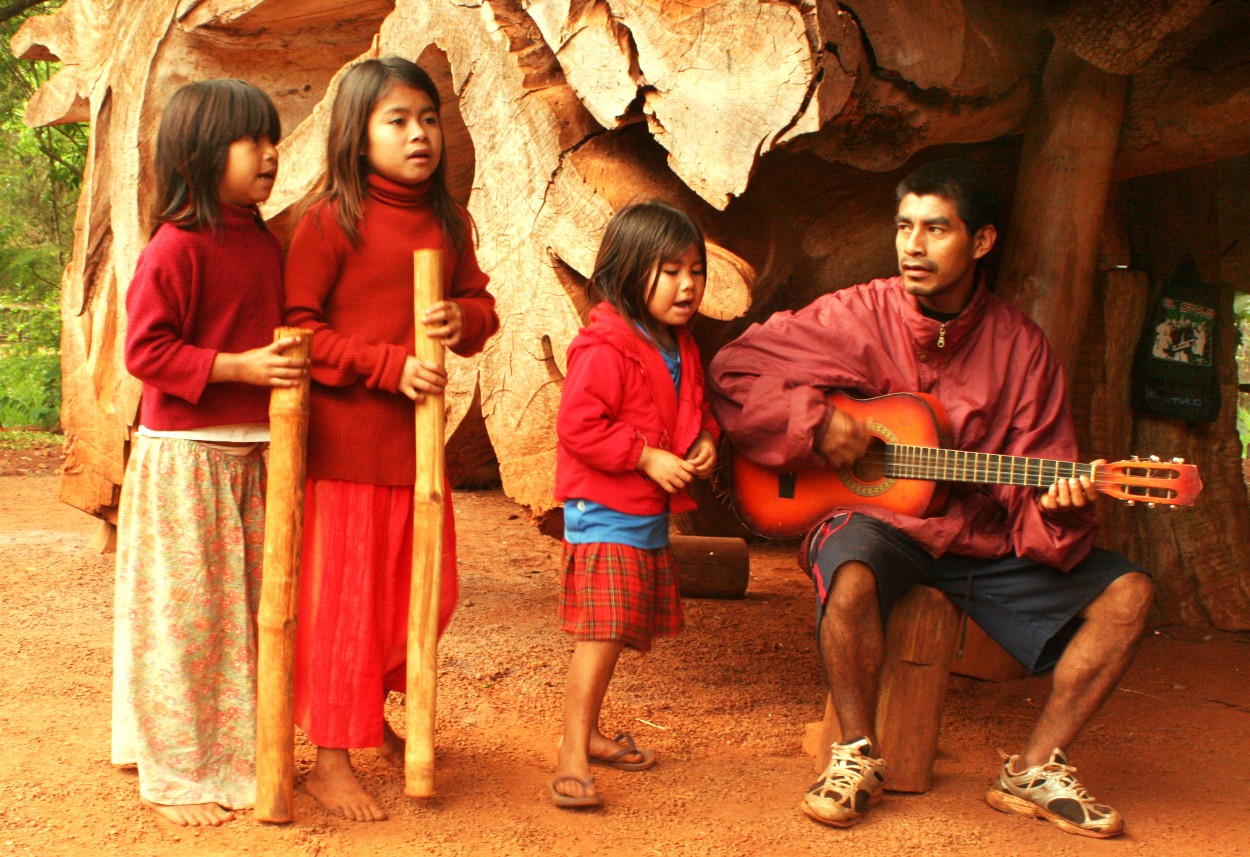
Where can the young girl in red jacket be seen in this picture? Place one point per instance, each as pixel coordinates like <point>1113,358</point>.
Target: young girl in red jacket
<point>203,304</point>
<point>633,432</point>
<point>350,280</point>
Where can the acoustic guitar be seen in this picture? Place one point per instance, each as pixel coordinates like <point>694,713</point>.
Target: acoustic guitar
<point>908,468</point>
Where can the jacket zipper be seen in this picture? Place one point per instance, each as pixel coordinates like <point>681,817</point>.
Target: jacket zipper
<point>941,343</point>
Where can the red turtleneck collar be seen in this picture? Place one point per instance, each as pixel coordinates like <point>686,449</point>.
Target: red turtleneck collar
<point>397,193</point>
<point>239,215</point>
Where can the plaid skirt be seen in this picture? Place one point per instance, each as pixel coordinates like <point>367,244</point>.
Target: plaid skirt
<point>615,592</point>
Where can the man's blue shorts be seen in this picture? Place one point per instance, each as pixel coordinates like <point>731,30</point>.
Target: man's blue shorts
<point>1031,609</point>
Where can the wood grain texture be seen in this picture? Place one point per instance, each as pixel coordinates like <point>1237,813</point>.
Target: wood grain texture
<point>279,591</point>
<point>781,128</point>
<point>428,503</point>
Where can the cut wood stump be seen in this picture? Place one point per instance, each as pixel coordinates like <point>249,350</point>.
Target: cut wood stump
<point>711,567</point>
<point>920,641</point>
<point>979,656</point>
<point>923,647</point>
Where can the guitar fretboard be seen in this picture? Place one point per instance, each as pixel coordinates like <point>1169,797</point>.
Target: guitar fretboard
<point>953,465</point>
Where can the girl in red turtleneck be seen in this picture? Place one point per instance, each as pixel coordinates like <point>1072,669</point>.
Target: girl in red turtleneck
<point>349,279</point>
<point>201,309</point>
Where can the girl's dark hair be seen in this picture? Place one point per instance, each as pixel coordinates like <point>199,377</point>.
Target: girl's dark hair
<point>638,239</point>
<point>361,88</point>
<point>198,125</point>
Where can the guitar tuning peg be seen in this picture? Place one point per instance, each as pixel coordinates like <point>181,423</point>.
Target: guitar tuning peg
<point>1154,458</point>
<point>1130,502</point>
<point>1134,458</point>
<point>1178,461</point>
<point>1151,505</point>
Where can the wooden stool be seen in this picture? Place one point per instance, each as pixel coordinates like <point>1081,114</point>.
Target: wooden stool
<point>920,641</point>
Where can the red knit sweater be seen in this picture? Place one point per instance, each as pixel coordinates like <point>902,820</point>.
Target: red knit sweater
<point>196,293</point>
<point>358,303</point>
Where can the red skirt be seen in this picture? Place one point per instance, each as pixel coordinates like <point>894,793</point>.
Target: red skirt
<point>351,639</point>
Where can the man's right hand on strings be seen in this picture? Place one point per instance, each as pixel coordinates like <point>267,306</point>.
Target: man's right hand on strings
<point>844,441</point>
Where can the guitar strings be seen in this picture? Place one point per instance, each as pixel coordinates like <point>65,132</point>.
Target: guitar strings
<point>947,465</point>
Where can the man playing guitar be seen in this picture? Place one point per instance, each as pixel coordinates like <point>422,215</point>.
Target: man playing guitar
<point>1019,560</point>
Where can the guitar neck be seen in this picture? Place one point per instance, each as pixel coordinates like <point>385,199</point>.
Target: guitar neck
<point>953,465</point>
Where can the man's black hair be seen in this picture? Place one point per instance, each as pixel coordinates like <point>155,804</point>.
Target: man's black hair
<point>963,183</point>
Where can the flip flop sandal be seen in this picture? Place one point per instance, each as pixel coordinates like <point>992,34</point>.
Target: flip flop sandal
<point>617,759</point>
<point>564,801</point>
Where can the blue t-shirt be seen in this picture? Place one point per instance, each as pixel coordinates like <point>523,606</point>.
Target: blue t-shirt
<point>586,521</point>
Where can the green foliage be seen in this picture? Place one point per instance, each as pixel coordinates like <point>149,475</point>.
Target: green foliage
<point>30,440</point>
<point>1243,427</point>
<point>40,175</point>
<point>30,388</point>
<point>1241,307</point>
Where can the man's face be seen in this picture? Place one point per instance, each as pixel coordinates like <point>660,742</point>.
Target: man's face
<point>936,255</point>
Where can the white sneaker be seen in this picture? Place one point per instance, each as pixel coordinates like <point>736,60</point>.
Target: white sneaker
<point>850,784</point>
<point>1052,793</point>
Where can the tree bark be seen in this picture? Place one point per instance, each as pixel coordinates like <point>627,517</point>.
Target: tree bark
<point>1051,245</point>
<point>781,128</point>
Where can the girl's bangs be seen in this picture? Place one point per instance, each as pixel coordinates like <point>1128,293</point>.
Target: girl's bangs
<point>677,240</point>
<point>249,113</point>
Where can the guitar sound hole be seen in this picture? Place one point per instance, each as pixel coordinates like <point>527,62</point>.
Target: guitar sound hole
<point>871,468</point>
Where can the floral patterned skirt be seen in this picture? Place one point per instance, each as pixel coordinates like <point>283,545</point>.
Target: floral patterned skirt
<point>190,543</point>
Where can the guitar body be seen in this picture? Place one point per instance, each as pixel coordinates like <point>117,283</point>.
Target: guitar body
<point>781,503</point>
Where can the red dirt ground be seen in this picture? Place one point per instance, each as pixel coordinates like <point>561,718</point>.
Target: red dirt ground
<point>724,706</point>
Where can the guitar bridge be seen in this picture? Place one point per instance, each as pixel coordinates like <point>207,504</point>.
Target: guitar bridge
<point>786,484</point>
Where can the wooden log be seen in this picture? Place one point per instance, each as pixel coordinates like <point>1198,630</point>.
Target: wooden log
<point>427,544</point>
<point>279,591</point>
<point>978,655</point>
<point>920,640</point>
<point>976,52</point>
<point>1120,36</point>
<point>923,631</point>
<point>1181,103</point>
<point>1061,194</point>
<point>695,99</point>
<point>711,567</point>
<point>1199,579</point>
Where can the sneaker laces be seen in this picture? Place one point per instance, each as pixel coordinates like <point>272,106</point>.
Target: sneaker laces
<point>1065,776</point>
<point>847,769</point>
<point>1061,779</point>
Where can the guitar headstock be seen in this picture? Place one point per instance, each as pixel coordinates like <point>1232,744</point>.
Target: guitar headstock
<point>1153,482</point>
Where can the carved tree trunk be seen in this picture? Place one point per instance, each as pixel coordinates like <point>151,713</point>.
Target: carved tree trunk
<point>1049,257</point>
<point>781,127</point>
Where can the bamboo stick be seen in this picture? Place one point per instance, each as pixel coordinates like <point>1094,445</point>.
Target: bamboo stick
<point>279,591</point>
<point>427,544</point>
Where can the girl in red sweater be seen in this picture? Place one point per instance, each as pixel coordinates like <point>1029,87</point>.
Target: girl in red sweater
<point>203,304</point>
<point>633,432</point>
<point>349,279</point>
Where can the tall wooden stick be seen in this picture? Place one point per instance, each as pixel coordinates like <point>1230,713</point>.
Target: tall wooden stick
<point>427,544</point>
<point>279,591</point>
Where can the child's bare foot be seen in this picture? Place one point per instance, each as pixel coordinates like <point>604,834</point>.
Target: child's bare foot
<point>570,792</point>
<point>620,753</point>
<point>573,785</point>
<point>392,748</point>
<point>191,814</point>
<point>333,783</point>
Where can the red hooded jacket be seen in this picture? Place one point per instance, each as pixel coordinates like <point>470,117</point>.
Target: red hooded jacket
<point>617,396</point>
